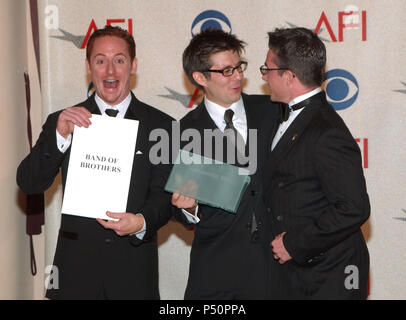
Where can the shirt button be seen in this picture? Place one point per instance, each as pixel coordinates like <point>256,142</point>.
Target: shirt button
<point>280,184</point>
<point>279,218</point>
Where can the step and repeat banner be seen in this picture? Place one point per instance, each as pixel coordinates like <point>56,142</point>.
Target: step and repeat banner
<point>365,83</point>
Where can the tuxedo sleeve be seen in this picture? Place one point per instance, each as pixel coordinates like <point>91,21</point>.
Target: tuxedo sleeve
<point>184,218</point>
<point>37,171</point>
<point>157,208</point>
<point>337,162</point>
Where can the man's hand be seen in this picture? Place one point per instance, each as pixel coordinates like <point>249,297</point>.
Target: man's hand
<point>183,202</point>
<point>278,248</point>
<point>70,117</point>
<point>127,223</point>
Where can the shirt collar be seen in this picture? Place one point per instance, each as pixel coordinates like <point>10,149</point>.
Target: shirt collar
<point>304,96</point>
<point>217,112</point>
<point>121,107</point>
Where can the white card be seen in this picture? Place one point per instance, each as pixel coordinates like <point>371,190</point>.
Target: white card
<point>100,167</point>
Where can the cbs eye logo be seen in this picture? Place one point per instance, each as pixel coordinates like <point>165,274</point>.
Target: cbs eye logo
<point>210,19</point>
<point>342,88</point>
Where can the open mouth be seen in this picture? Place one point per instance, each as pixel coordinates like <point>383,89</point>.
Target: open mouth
<point>110,84</point>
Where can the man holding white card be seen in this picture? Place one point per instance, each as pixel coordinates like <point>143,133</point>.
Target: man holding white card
<point>97,259</point>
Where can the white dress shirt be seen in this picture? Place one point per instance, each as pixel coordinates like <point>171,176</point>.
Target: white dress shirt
<point>216,112</point>
<point>292,115</point>
<point>121,107</point>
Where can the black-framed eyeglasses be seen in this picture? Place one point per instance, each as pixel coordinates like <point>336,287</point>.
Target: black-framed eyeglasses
<point>229,71</point>
<point>264,69</point>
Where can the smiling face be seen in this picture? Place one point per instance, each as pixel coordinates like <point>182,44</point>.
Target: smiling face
<point>218,88</point>
<point>110,68</point>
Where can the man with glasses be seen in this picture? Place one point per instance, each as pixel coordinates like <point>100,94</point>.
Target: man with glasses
<point>313,180</point>
<point>229,253</point>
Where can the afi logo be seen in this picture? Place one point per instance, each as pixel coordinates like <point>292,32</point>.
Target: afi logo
<point>363,144</point>
<point>109,22</point>
<point>81,41</point>
<point>401,90</point>
<point>351,18</point>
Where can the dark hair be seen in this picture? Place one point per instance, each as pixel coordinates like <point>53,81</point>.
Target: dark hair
<point>112,32</point>
<point>196,56</point>
<point>301,51</point>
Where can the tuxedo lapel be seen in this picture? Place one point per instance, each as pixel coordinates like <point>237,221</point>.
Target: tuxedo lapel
<point>202,118</point>
<point>135,110</point>
<point>91,105</point>
<point>296,129</point>
<point>253,120</point>
<point>273,134</point>
<point>202,121</point>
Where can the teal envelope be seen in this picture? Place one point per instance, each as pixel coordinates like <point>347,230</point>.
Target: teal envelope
<point>209,181</point>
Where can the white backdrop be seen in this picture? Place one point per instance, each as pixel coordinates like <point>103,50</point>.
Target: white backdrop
<point>366,83</point>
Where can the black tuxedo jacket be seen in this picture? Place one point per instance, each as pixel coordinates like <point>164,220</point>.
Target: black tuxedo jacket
<point>315,191</point>
<point>228,259</point>
<point>93,262</point>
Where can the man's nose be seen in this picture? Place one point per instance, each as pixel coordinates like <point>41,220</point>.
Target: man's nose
<point>110,67</point>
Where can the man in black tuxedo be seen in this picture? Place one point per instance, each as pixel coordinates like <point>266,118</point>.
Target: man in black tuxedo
<point>105,259</point>
<point>313,181</point>
<point>229,253</point>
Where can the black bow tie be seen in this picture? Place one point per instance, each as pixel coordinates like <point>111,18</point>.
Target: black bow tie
<point>111,112</point>
<point>285,110</point>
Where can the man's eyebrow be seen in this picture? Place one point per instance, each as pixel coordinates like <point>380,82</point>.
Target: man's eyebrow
<point>103,55</point>
<point>231,66</point>
<point>120,54</point>
<point>99,54</point>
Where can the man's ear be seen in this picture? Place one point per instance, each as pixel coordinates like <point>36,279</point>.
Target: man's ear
<point>134,65</point>
<point>290,75</point>
<point>88,66</point>
<point>199,78</point>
